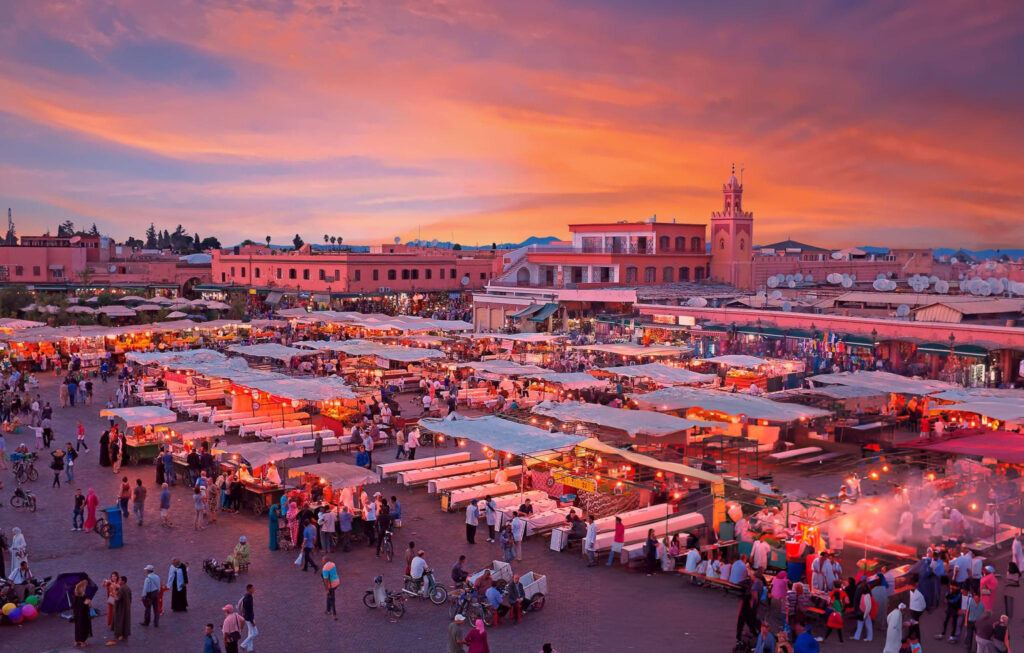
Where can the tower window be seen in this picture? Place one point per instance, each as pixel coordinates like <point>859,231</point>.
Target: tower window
<point>721,243</point>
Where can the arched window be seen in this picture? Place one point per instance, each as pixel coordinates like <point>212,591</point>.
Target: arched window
<point>695,244</point>
<point>680,243</point>
<point>721,243</point>
<point>631,274</point>
<point>684,274</point>
<point>392,275</point>
<point>663,242</point>
<point>650,274</point>
<point>698,274</point>
<point>405,274</point>
<point>667,275</point>
<point>523,276</point>
<point>292,274</point>
<point>741,244</point>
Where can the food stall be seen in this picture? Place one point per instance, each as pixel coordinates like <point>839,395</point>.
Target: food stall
<point>143,442</point>
<point>656,375</point>
<point>329,479</point>
<point>261,481</point>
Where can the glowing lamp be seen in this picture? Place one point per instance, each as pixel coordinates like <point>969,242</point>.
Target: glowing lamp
<point>874,476</point>
<point>885,468</point>
<point>974,506</point>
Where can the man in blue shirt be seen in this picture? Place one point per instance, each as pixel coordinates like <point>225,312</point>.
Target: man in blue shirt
<point>804,642</point>
<point>362,458</point>
<point>308,537</point>
<point>345,527</point>
<point>493,595</point>
<point>151,596</point>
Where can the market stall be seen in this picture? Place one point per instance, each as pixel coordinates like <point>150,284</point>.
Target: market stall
<point>142,440</point>
<point>261,481</point>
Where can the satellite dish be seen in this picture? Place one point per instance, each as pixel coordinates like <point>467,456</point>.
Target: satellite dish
<point>902,310</point>
<point>808,277</point>
<point>792,283</point>
<point>787,307</point>
<point>995,285</point>
<point>465,280</point>
<point>697,302</point>
<point>776,294</point>
<point>112,269</point>
<point>847,282</point>
<point>941,287</point>
<point>760,293</point>
<point>837,255</point>
<point>953,260</point>
<point>881,275</point>
<point>798,277</point>
<point>933,279</point>
<point>853,276</point>
<point>433,243</point>
<point>881,285</point>
<point>397,240</point>
<point>789,277</point>
<point>772,282</point>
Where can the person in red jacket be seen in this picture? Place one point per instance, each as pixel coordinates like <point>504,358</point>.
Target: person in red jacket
<point>617,541</point>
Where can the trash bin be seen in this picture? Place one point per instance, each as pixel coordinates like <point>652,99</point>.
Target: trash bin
<point>113,516</point>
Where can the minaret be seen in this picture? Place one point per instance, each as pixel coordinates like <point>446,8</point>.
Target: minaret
<point>732,233</point>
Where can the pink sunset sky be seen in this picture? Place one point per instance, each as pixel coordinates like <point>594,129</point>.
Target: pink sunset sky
<point>857,123</point>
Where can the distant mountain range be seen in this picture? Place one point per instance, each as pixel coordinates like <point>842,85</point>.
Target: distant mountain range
<point>444,244</point>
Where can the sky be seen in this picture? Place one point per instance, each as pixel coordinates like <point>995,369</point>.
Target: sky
<point>855,123</point>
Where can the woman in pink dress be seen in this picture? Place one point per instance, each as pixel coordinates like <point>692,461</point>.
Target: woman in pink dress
<point>91,501</point>
<point>293,522</point>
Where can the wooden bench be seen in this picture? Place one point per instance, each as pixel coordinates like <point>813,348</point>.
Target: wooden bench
<point>704,581</point>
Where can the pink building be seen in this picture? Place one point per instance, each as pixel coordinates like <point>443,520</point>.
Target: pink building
<point>59,263</point>
<point>790,257</point>
<point>385,269</point>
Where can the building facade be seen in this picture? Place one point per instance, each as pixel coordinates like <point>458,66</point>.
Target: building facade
<point>732,238</point>
<point>384,270</point>
<point>68,263</point>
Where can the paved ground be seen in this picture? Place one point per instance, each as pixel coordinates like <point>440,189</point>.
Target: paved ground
<point>588,609</point>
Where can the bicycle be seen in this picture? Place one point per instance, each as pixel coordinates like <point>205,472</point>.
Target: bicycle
<point>23,499</point>
<point>25,471</point>
<point>386,545</point>
<point>103,528</point>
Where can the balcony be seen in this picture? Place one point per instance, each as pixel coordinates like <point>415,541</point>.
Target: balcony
<point>626,248</point>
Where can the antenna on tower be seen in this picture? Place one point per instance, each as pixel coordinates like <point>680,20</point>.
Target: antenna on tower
<point>741,174</point>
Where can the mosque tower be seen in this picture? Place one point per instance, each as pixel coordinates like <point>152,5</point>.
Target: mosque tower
<point>732,238</point>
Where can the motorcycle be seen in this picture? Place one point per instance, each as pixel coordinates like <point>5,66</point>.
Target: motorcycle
<point>377,596</point>
<point>23,499</point>
<point>436,592</point>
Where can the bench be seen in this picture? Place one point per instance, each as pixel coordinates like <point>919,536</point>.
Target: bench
<point>717,583</point>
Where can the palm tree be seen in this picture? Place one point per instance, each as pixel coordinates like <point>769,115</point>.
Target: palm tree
<point>268,241</point>
<point>333,240</point>
<point>339,241</point>
<point>325,239</point>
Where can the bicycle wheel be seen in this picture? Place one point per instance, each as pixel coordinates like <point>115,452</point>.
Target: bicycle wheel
<point>20,475</point>
<point>537,603</point>
<point>17,502</point>
<point>396,610</point>
<point>389,551</point>
<point>33,474</point>
<point>369,600</point>
<point>438,594</point>
<point>457,607</point>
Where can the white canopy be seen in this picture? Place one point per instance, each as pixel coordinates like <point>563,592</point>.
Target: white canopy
<point>884,381</point>
<point>338,475</point>
<point>141,415</point>
<point>661,373</point>
<point>633,422</point>
<point>501,367</point>
<point>259,454</point>
<point>594,444</point>
<point>188,430</point>
<point>14,323</point>
<point>1004,410</point>
<point>377,321</point>
<point>737,360</point>
<point>270,350</point>
<point>569,380</point>
<point>517,337</point>
<point>500,434</point>
<point>683,398</point>
<point>360,348</point>
<point>633,349</point>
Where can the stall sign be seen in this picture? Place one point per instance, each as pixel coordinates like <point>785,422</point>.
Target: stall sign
<point>568,480</point>
<point>719,509</point>
<point>200,382</point>
<point>177,377</point>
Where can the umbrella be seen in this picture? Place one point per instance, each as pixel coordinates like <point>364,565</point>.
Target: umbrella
<point>58,595</point>
<point>81,309</point>
<point>92,300</point>
<point>132,298</point>
<point>175,315</point>
<point>148,307</point>
<point>218,306</point>
<point>160,300</point>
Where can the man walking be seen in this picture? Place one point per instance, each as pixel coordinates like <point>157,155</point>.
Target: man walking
<point>165,506</point>
<point>78,512</point>
<point>590,542</point>
<point>318,446</point>
<point>308,539</point>
<point>412,443</point>
<point>151,596</point>
<point>331,582</point>
<point>123,496</point>
<point>138,499</point>
<point>249,614</point>
<point>328,523</point>
<point>368,445</point>
<point>81,437</point>
<point>518,532</point>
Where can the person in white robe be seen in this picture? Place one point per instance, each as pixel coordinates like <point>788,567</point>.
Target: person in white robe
<point>894,630</point>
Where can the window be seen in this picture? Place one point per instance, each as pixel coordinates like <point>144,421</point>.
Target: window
<point>376,275</point>
<point>650,274</point>
<point>453,273</point>
<point>663,243</point>
<point>337,274</point>
<point>666,275</point>
<point>232,270</point>
<point>278,273</point>
<point>741,244</point>
<point>415,274</point>
<point>695,244</point>
<point>442,273</point>
<point>631,274</point>
<point>35,270</point>
<point>392,275</point>
<point>428,273</point>
<point>405,274</point>
<point>322,274</point>
<point>223,275</point>
<point>243,272</point>
<point>684,274</point>
<point>293,273</point>
<point>680,243</point>
<point>305,274</point>
<point>483,275</point>
<point>698,274</point>
<point>356,276</point>
<point>721,243</point>
<point>256,273</point>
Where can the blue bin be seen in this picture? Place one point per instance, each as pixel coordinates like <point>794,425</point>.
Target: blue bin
<point>795,571</point>
<point>113,516</point>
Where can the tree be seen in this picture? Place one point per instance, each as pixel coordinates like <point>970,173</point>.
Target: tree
<point>457,246</point>
<point>494,246</point>
<point>298,242</point>
<point>151,237</point>
<point>268,241</point>
<point>133,242</point>
<point>86,276</point>
<point>339,241</point>
<point>13,299</point>
<point>326,239</point>
<point>210,242</point>
<point>195,241</point>
<point>66,229</point>
<point>94,231</point>
<point>165,240</point>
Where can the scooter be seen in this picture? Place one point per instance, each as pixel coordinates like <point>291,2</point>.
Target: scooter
<point>377,596</point>
<point>436,592</point>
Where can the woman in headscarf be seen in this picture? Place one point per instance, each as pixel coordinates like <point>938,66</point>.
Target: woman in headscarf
<point>81,614</point>
<point>293,522</point>
<point>91,502</point>
<point>19,549</point>
<point>105,449</point>
<point>274,519</point>
<point>476,639</point>
<point>177,580</point>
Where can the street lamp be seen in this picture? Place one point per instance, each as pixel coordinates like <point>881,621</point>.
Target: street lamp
<point>952,342</point>
<point>874,337</point>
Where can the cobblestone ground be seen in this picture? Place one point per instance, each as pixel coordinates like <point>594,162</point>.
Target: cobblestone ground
<point>595,609</point>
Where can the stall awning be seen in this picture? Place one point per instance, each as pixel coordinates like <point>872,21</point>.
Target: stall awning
<point>802,334</point>
<point>545,312</point>
<point>141,415</point>
<point>274,298</point>
<point>593,444</point>
<point>941,348</point>
<point>500,434</point>
<point>338,475</point>
<point>714,328</point>
<point>633,422</point>
<point>1001,445</point>
<point>321,298</point>
<point>764,332</point>
<point>661,373</point>
<point>526,312</point>
<point>858,341</point>
<point>55,267</point>
<point>973,351</point>
<point>259,454</point>
<point>190,430</point>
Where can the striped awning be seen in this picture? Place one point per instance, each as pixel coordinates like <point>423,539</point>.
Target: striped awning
<point>274,298</point>
<point>973,351</point>
<point>526,312</point>
<point>545,312</point>
<point>941,348</point>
